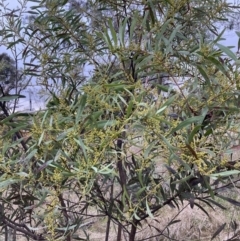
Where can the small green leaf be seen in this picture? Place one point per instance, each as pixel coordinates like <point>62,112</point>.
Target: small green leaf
<point>225,174</point>
<point>204,74</point>
<point>152,12</point>
<point>217,64</point>
<point>15,130</point>
<point>129,109</point>
<point>227,51</point>
<point>104,123</point>
<point>113,33</point>
<point>193,133</point>
<point>140,191</point>
<point>238,33</point>
<point>83,147</point>
<point>230,200</point>
<point>132,27</point>
<point>6,183</point>
<point>173,222</point>
<point>43,198</point>
<point>122,29</point>
<point>67,228</point>
<point>107,39</point>
<point>11,97</point>
<point>174,32</point>
<point>170,100</point>
<point>218,231</point>
<point>163,88</point>
<point>187,122</point>
<point>81,106</point>
<point>148,210</point>
<point>30,155</point>
<point>199,206</point>
<point>161,110</point>
<point>41,138</point>
<point>149,148</point>
<point>216,203</point>
<point>136,216</point>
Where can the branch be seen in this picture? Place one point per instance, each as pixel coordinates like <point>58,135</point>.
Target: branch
<point>5,111</point>
<point>19,227</point>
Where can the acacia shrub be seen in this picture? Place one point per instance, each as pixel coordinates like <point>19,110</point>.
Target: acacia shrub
<point>80,153</point>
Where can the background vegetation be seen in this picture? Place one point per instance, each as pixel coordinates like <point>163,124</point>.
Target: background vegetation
<point>141,119</point>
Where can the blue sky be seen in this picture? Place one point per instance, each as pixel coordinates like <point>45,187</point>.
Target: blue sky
<point>24,103</point>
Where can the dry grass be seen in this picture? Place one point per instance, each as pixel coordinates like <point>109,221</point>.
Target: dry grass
<point>193,225</point>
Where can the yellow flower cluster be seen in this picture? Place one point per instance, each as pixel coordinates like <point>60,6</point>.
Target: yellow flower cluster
<point>51,216</point>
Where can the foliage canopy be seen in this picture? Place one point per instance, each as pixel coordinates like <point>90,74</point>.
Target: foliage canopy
<point>118,139</point>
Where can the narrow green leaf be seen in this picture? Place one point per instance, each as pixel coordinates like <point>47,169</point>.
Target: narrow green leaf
<point>238,33</point>
<point>187,122</point>
<point>122,99</point>
<point>173,34</point>
<point>125,194</point>
<point>32,12</point>
<point>224,174</point>
<point>144,63</point>
<point>218,231</point>
<point>83,147</point>
<point>6,183</point>
<point>163,88</point>
<point>140,178</point>
<point>140,191</point>
<point>199,206</point>
<point>67,228</point>
<point>13,131</point>
<point>44,118</point>
<point>193,133</point>
<point>132,27</point>
<point>148,210</point>
<point>204,74</point>
<point>30,155</point>
<point>104,123</point>
<point>164,28</point>
<point>227,51</point>
<point>170,101</point>
<point>8,119</point>
<point>129,109</point>
<point>149,148</point>
<point>230,200</point>
<point>107,39</point>
<point>173,222</point>
<point>216,203</point>
<point>41,138</point>
<point>161,109</point>
<point>23,174</point>
<point>136,216</point>
<point>43,198</point>
<point>219,37</point>
<point>81,107</point>
<point>207,184</point>
<point>152,11</point>
<point>11,97</point>
<point>113,33</point>
<point>11,44</point>
<point>217,64</point>
<point>183,180</point>
<point>122,30</point>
